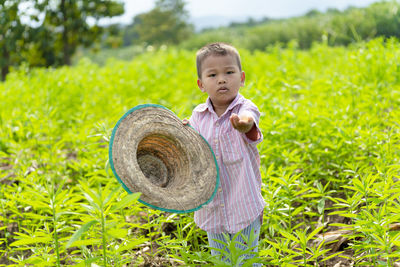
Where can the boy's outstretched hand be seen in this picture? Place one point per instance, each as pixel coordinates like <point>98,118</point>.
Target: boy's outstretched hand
<point>245,124</point>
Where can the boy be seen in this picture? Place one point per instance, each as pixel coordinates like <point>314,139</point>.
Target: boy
<point>229,123</point>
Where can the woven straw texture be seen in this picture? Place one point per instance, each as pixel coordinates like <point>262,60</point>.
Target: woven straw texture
<point>152,152</point>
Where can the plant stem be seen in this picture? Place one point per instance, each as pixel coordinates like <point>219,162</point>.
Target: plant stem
<point>103,236</point>
<point>56,243</point>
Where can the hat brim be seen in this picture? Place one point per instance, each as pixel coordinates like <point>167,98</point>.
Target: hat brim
<point>171,164</point>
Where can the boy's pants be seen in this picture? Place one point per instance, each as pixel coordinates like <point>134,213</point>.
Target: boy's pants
<point>253,227</point>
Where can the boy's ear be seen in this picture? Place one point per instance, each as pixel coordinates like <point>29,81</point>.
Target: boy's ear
<point>242,79</point>
<point>200,85</point>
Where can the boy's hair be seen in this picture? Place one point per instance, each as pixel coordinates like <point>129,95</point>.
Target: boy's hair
<point>216,49</point>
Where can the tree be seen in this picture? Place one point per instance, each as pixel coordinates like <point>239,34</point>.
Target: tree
<point>112,36</point>
<point>54,30</point>
<point>386,16</point>
<point>312,13</point>
<point>12,33</point>
<point>165,24</point>
<point>65,26</point>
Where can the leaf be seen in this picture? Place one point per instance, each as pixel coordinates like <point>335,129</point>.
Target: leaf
<point>85,242</point>
<point>311,195</point>
<point>349,187</point>
<point>37,216</point>
<point>31,240</point>
<point>349,215</point>
<point>331,256</point>
<point>298,210</point>
<point>313,233</point>
<point>290,236</point>
<point>81,230</point>
<point>88,193</point>
<point>321,206</point>
<point>111,195</point>
<point>131,244</point>
<point>117,232</point>
<point>88,262</point>
<point>127,200</point>
<point>359,185</point>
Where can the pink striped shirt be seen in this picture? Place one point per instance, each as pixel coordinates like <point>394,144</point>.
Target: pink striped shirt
<point>238,201</point>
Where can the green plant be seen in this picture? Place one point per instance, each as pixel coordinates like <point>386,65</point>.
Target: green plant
<point>329,158</point>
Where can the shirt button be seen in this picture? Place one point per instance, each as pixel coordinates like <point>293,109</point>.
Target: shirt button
<point>222,205</point>
<point>216,141</point>
<point>217,124</point>
<point>220,189</point>
<point>217,157</point>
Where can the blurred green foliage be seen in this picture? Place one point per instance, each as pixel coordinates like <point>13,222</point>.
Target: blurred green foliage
<point>60,29</point>
<point>332,27</point>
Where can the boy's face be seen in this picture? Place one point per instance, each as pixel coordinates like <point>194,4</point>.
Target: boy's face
<point>221,79</point>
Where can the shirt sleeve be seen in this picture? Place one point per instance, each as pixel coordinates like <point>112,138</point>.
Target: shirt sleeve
<point>251,109</point>
<point>193,121</point>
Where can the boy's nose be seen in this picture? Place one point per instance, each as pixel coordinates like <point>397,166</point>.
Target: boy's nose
<point>221,79</point>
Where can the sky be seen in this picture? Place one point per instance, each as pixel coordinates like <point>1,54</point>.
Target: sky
<point>240,10</point>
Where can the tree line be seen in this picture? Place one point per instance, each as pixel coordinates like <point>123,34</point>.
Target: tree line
<point>169,25</point>
<point>333,27</point>
<point>44,33</point>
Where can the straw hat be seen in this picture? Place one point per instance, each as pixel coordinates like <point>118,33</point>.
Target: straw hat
<point>173,166</point>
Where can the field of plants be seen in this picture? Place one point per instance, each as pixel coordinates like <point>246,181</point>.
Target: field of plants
<point>330,159</point>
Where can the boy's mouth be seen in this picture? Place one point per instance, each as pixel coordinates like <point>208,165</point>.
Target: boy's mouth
<point>223,90</point>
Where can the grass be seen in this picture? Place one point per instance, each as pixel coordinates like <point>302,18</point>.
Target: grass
<point>329,159</point>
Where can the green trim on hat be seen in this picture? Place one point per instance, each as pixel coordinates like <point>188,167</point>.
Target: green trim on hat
<point>129,191</point>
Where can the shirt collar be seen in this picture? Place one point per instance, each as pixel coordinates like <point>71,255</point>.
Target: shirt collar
<point>238,100</point>
<point>208,105</point>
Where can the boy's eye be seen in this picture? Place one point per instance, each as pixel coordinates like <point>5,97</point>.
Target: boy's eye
<point>211,75</point>
<point>230,72</point>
